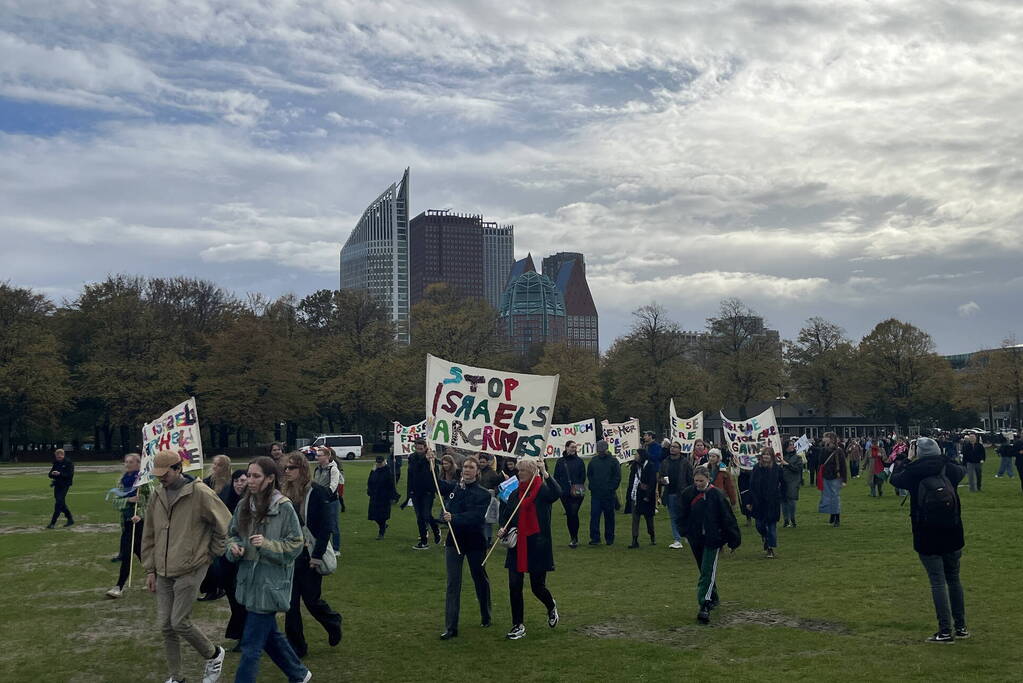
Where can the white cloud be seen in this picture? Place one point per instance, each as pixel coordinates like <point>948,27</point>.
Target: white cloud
<point>968,310</point>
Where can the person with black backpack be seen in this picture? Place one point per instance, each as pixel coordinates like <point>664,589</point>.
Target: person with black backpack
<point>935,513</point>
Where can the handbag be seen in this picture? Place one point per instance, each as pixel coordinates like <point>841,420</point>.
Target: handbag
<point>493,511</point>
<point>577,490</point>
<point>510,538</point>
<point>328,563</point>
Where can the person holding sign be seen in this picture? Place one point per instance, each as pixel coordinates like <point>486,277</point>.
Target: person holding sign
<point>420,491</point>
<point>709,524</point>
<point>604,474</point>
<point>676,474</point>
<point>766,488</point>
<point>527,514</point>
<point>127,499</point>
<point>465,511</point>
<point>570,473</point>
<point>642,495</point>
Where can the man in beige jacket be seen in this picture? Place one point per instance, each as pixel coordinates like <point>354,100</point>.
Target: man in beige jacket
<point>186,528</point>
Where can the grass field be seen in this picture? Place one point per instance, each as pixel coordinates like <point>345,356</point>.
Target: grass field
<point>839,604</point>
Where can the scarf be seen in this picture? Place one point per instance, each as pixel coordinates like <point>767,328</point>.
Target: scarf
<point>528,525</point>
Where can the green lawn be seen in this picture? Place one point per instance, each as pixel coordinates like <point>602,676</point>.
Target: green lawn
<point>839,604</point>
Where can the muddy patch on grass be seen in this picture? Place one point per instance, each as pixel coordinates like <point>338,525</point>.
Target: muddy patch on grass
<point>679,637</point>
<point>77,528</point>
<point>770,617</point>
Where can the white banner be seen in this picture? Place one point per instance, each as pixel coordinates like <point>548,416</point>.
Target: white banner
<point>686,432</point>
<point>176,430</point>
<point>405,437</point>
<point>622,438</point>
<point>584,434</point>
<point>745,438</point>
<point>476,409</point>
<point>803,444</point>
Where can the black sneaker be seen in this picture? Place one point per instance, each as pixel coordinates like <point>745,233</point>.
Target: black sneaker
<point>962,633</point>
<point>485,624</point>
<point>449,634</point>
<point>70,522</point>
<point>552,616</point>
<point>573,544</point>
<point>436,537</point>
<point>591,542</point>
<point>703,616</point>
<point>940,637</point>
<point>518,631</point>
<point>422,545</point>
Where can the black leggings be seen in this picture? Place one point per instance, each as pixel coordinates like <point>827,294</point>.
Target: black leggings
<point>572,505</point>
<point>537,583</point>
<point>127,549</point>
<point>59,504</point>
<point>382,526</point>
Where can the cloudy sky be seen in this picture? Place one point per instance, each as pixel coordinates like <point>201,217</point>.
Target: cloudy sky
<point>850,159</point>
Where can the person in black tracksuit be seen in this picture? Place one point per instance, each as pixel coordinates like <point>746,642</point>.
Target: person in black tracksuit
<point>62,475</point>
<point>570,473</point>
<point>312,503</point>
<point>641,495</point>
<point>465,503</point>
<point>420,489</point>
<point>707,519</point>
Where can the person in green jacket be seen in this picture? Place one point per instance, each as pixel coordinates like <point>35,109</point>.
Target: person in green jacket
<point>265,538</point>
<point>603,477</point>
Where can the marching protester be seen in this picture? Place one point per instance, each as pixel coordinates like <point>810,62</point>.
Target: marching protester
<point>62,476</point>
<point>126,498</point>
<point>745,497</point>
<point>709,524</point>
<point>653,449</point>
<point>676,473</point>
<point>466,504</point>
<point>219,479</point>
<point>328,475</point>
<point>570,473</point>
<point>228,573</point>
<point>1018,446</point>
<point>792,477</point>
<point>641,496</point>
<point>381,492</point>
<point>936,520</point>
<point>604,474</point>
<point>448,468</point>
<point>490,479</point>
<point>312,503</point>
<point>277,452</point>
<point>532,550</point>
<point>220,474</point>
<point>700,451</point>
<point>420,489</point>
<point>509,467</point>
<point>876,469</point>
<point>721,476</point>
<point>186,526</point>
<point>974,455</point>
<point>854,453</point>
<point>1006,453</point>
<point>831,478</point>
<point>765,495</point>
<point>265,540</point>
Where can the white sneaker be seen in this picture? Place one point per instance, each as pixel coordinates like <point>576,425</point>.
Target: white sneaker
<point>308,676</point>
<point>214,665</point>
<point>114,592</point>
<point>677,545</point>
<point>172,680</point>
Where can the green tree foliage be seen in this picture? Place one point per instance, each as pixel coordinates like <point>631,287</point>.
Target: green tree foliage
<point>455,328</point>
<point>1008,363</point>
<point>580,393</point>
<point>822,366</point>
<point>34,387</point>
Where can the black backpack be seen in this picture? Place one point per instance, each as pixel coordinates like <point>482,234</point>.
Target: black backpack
<point>937,503</point>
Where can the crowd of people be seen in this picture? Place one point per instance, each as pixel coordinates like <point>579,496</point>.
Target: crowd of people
<point>264,536</point>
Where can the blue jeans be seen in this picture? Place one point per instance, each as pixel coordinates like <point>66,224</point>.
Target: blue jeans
<point>673,515</point>
<point>768,532</point>
<point>602,505</point>
<point>335,518</point>
<point>261,634</point>
<point>1006,466</point>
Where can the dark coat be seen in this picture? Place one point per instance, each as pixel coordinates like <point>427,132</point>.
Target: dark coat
<point>973,452</point>
<point>646,494</point>
<point>679,473</point>
<point>833,463</point>
<point>540,548</point>
<point>792,475</point>
<point>765,493</point>
<point>319,522</point>
<point>419,481</point>
<point>65,473</point>
<point>907,474</point>
<point>604,474</point>
<point>569,470</point>
<point>380,489</point>
<point>468,507</point>
<point>708,519</point>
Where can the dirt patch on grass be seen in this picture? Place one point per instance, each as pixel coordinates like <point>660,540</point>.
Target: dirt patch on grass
<point>770,618</point>
<point>679,637</point>
<point>77,528</point>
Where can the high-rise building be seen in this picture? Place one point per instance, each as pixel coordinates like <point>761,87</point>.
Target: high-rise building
<point>375,256</point>
<point>446,247</point>
<point>532,308</point>
<point>568,272</point>
<point>498,257</point>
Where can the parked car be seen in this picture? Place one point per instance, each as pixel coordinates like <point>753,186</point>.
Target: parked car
<point>345,446</point>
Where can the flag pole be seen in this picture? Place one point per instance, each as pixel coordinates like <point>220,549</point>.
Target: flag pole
<point>504,528</point>
<point>131,548</point>
<point>451,529</point>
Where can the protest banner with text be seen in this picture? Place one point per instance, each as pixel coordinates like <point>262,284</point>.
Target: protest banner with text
<point>176,430</point>
<point>584,434</point>
<point>745,438</point>
<point>685,431</point>
<point>406,435</point>
<point>476,409</point>
<point>622,438</point>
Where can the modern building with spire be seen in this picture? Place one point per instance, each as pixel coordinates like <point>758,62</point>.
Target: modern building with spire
<point>532,308</point>
<point>568,272</point>
<point>375,258</point>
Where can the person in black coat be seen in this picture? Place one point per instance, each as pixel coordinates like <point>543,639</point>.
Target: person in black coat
<point>766,490</point>
<point>62,476</point>
<point>312,503</point>
<point>937,539</point>
<point>708,522</point>
<point>533,551</point>
<point>380,489</point>
<point>420,490</point>
<point>641,494</point>
<point>570,473</point>
<point>228,575</point>
<point>465,503</point>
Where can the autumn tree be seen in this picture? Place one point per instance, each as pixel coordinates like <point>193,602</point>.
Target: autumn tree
<point>580,393</point>
<point>1007,361</point>
<point>822,366</point>
<point>456,328</point>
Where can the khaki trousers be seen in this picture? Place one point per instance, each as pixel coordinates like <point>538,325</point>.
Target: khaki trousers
<point>174,599</point>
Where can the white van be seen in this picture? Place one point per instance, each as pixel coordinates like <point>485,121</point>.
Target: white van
<point>345,446</point>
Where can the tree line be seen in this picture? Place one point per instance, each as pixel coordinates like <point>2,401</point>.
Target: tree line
<point>93,369</point>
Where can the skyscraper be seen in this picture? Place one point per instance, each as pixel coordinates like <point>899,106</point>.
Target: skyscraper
<point>532,308</point>
<point>446,247</point>
<point>375,257</point>
<point>498,257</point>
<point>568,272</point>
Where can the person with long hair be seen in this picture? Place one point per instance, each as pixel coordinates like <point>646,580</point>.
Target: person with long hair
<point>533,551</point>
<point>126,499</point>
<point>313,507</point>
<point>228,575</point>
<point>448,469</point>
<point>764,503</point>
<point>218,479</point>
<point>570,473</point>
<point>721,476</point>
<point>792,474</point>
<point>277,452</point>
<point>62,476</point>
<point>641,495</point>
<point>328,475</point>
<point>220,474</point>
<point>833,476</point>
<point>265,539</point>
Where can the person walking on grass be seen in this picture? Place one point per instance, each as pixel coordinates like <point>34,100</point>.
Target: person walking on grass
<point>126,498</point>
<point>380,489</point>
<point>935,515</point>
<point>709,524</point>
<point>641,495</point>
<point>721,476</point>
<point>603,474</point>
<point>229,570</point>
<point>312,503</point>
<point>533,552</point>
<point>974,456</point>
<point>219,480</point>
<point>676,473</point>
<point>831,478</point>
<point>420,490</point>
<point>265,540</point>
<point>62,476</point>
<point>792,476</point>
<point>328,475</point>
<point>876,469</point>
<point>570,473</point>
<point>765,494</point>
<point>1006,453</point>
<point>186,527</point>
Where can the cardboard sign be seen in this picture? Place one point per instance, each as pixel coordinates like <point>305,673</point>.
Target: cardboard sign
<point>584,434</point>
<point>405,437</point>
<point>176,430</point>
<point>622,438</point>
<point>685,432</point>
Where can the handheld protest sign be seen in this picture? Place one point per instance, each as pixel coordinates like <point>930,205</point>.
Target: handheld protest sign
<point>583,433</point>
<point>623,439</point>
<point>685,431</point>
<point>176,430</point>
<point>745,438</point>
